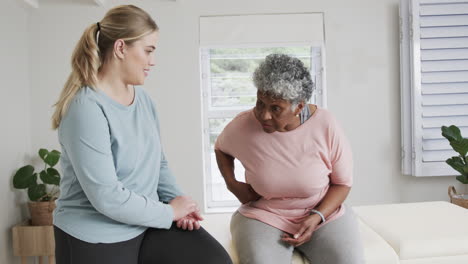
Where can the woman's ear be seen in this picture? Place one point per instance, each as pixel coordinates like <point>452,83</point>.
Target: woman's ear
<point>299,108</point>
<point>119,49</point>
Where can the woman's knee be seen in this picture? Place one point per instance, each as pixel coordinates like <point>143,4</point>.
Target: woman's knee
<point>335,256</point>
<point>216,257</point>
<point>179,246</point>
<point>213,255</point>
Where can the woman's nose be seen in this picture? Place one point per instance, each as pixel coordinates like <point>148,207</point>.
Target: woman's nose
<point>265,115</point>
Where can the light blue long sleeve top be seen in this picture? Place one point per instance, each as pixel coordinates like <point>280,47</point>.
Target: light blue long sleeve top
<point>115,177</point>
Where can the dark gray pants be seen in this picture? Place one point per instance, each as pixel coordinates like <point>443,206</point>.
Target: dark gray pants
<point>337,242</point>
<point>155,246</point>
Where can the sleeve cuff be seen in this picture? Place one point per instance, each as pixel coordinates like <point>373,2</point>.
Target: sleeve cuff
<point>167,222</point>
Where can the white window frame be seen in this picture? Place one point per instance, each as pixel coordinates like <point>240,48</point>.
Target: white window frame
<point>320,96</point>
<point>412,109</point>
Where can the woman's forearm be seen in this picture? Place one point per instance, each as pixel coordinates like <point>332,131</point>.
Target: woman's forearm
<point>226,166</point>
<point>333,199</point>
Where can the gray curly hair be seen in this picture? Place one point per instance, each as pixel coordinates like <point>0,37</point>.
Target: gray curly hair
<point>285,77</point>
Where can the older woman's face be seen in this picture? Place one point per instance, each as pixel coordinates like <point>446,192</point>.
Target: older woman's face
<point>275,114</point>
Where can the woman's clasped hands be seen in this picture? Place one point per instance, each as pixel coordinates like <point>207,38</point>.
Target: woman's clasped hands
<point>186,213</point>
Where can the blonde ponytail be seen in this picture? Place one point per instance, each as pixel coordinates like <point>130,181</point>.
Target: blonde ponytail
<point>85,65</point>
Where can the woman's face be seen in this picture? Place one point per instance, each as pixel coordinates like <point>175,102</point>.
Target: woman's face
<point>139,58</point>
<point>275,114</point>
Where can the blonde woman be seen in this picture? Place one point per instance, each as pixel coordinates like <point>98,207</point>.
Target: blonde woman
<point>119,202</point>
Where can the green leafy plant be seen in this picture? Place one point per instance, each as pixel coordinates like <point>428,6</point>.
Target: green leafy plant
<point>27,178</point>
<point>460,145</point>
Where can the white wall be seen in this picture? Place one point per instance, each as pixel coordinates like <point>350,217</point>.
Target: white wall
<point>362,76</point>
<point>15,128</point>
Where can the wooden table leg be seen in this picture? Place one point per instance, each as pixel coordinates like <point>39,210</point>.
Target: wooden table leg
<point>24,260</point>
<point>41,258</point>
<point>51,259</point>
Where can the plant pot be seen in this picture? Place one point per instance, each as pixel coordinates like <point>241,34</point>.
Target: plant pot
<point>458,199</point>
<point>41,213</point>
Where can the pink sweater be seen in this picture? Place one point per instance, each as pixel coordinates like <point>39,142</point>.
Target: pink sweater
<point>291,170</point>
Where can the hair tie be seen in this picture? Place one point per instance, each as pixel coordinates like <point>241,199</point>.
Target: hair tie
<point>98,26</point>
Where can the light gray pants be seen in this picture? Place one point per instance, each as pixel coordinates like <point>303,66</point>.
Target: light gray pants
<point>337,242</point>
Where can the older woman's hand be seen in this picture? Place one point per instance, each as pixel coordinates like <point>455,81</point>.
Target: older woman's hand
<point>305,232</point>
<point>243,191</point>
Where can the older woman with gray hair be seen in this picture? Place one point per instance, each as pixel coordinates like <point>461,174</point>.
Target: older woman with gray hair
<point>298,172</point>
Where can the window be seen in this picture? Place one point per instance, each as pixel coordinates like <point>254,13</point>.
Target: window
<point>434,81</point>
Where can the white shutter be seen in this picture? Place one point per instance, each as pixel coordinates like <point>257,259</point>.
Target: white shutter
<point>434,81</point>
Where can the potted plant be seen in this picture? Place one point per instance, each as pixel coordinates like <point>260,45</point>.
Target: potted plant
<point>459,163</point>
<point>42,193</point>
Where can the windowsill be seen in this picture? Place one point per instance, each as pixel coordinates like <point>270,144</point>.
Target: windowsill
<point>217,210</point>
